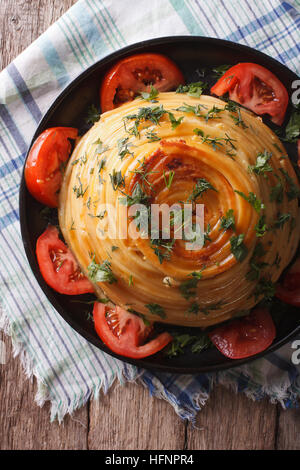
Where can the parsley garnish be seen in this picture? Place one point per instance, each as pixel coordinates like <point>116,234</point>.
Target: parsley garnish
<point>281,220</point>
<point>168,181</point>
<point>152,136</point>
<point>262,166</point>
<point>228,221</point>
<point>174,122</point>
<point>201,186</point>
<point>138,196</point>
<point>293,192</point>
<point>117,180</point>
<point>292,130</point>
<point>261,227</point>
<point>150,95</point>
<point>253,200</point>
<point>101,272</point>
<point>93,115</point>
<point>264,288</point>
<point>238,248</point>
<point>123,147</point>
<point>221,69</point>
<point>156,309</point>
<point>187,288</point>
<point>192,89</point>
<point>276,193</point>
<point>181,341</point>
<point>78,190</point>
<point>162,248</point>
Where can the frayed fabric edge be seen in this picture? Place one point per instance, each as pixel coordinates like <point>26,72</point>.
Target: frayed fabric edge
<point>186,411</point>
<point>59,408</point>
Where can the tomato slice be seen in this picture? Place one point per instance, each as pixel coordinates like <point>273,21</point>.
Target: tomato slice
<point>58,266</point>
<point>125,333</point>
<point>256,88</point>
<point>136,73</point>
<point>47,155</point>
<point>289,290</point>
<point>245,336</point>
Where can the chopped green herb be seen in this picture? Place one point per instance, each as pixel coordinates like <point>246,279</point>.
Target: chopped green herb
<point>187,288</point>
<point>168,181</point>
<point>238,119</point>
<point>281,220</point>
<point>162,248</point>
<point>221,69</point>
<point>262,165</point>
<point>238,248</point>
<point>293,192</point>
<point>152,136</point>
<point>192,89</point>
<point>150,95</point>
<point>292,130</point>
<point>138,196</point>
<point>201,186</point>
<point>174,122</point>
<point>156,309</point>
<point>187,108</point>
<point>261,227</point>
<point>253,200</point>
<point>276,193</point>
<point>264,288</point>
<point>193,309</point>
<point>228,221</point>
<point>117,180</point>
<point>101,272</point>
<point>123,147</point>
<point>93,115</point>
<point>78,190</point>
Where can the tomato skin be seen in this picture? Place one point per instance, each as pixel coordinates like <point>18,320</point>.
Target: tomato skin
<point>42,170</point>
<point>127,76</point>
<point>245,337</point>
<point>289,289</point>
<point>131,333</point>
<point>256,88</point>
<point>58,265</point>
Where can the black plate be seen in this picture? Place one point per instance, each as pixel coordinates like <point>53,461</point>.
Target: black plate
<point>192,54</point>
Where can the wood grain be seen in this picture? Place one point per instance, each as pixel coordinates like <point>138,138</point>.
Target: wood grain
<point>131,419</point>
<point>126,418</point>
<point>231,421</point>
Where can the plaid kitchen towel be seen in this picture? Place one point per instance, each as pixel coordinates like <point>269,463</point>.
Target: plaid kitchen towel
<point>68,369</point>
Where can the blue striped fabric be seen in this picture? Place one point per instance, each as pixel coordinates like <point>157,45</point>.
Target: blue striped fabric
<point>68,369</point>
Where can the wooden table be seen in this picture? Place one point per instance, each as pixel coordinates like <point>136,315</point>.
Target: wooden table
<point>127,417</point>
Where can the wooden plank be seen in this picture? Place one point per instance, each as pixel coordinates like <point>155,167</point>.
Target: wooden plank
<point>288,430</point>
<point>128,418</point>
<point>232,421</point>
<point>24,425</point>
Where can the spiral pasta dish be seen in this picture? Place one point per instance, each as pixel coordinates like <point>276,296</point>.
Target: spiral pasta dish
<point>211,160</point>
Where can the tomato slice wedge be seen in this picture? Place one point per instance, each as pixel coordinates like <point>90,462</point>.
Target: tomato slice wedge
<point>134,74</point>
<point>245,336</point>
<point>58,266</point>
<point>289,289</point>
<point>43,167</point>
<point>256,88</point>
<point>125,333</point>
